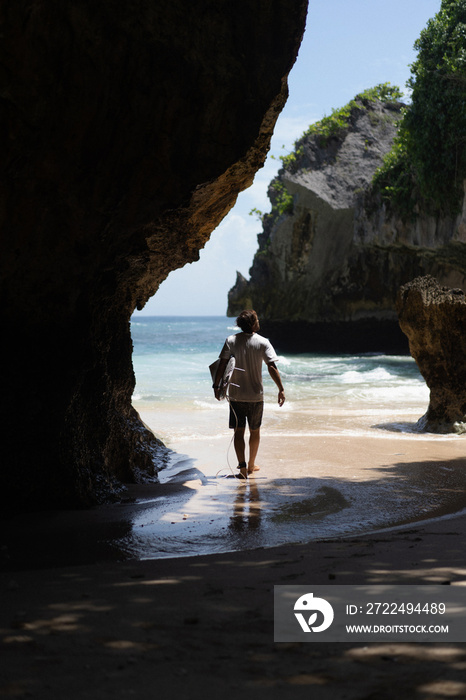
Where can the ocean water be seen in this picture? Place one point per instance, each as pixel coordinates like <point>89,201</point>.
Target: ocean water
<point>342,456</point>
<point>171,358</point>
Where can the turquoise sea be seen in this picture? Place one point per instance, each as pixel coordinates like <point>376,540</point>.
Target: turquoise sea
<point>172,354</point>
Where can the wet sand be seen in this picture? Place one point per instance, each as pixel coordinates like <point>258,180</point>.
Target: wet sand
<point>310,487</point>
<point>329,482</point>
<point>100,604</point>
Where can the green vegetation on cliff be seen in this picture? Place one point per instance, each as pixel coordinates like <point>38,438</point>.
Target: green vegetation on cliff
<point>339,119</point>
<point>427,164</point>
<point>334,125</point>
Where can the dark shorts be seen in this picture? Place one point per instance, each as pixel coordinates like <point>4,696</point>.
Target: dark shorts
<point>242,410</point>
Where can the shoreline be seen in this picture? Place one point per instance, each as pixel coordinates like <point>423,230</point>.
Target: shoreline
<point>326,488</point>
<point>317,485</point>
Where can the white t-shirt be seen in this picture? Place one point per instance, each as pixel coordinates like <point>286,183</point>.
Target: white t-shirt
<point>249,351</point>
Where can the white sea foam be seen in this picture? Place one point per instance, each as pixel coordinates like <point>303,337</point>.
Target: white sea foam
<point>287,407</point>
<point>209,405</point>
<point>194,437</point>
<point>379,374</point>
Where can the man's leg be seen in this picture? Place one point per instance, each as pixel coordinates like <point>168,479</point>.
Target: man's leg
<point>240,449</point>
<point>255,420</point>
<point>238,424</point>
<point>254,440</point>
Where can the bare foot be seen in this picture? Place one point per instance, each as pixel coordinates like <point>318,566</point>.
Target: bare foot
<point>253,469</point>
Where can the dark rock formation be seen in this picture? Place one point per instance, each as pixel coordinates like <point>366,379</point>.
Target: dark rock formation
<point>127,130</point>
<point>326,276</point>
<point>434,320</point>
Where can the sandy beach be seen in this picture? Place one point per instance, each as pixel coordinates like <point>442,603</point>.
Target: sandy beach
<point>102,603</point>
<point>311,486</point>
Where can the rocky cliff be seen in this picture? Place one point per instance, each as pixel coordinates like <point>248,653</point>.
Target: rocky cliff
<point>127,131</point>
<point>331,256</point>
<point>434,320</point>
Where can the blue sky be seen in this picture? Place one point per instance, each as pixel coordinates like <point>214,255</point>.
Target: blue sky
<point>348,46</point>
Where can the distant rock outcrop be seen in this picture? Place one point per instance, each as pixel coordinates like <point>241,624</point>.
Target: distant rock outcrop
<point>434,320</point>
<point>331,256</point>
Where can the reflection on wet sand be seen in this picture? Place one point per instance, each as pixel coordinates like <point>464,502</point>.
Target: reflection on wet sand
<point>247,509</point>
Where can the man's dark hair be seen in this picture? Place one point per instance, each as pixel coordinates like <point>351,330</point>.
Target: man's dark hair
<point>246,320</point>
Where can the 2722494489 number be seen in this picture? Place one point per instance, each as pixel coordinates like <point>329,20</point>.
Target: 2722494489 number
<point>394,608</point>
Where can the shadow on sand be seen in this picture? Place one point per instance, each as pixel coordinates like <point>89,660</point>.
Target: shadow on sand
<point>194,515</point>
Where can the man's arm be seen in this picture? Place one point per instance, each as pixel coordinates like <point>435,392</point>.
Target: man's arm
<point>275,374</point>
<point>218,378</point>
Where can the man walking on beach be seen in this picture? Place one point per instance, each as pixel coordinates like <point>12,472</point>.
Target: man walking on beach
<point>247,400</point>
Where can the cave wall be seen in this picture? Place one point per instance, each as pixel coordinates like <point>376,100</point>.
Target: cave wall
<point>127,130</point>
